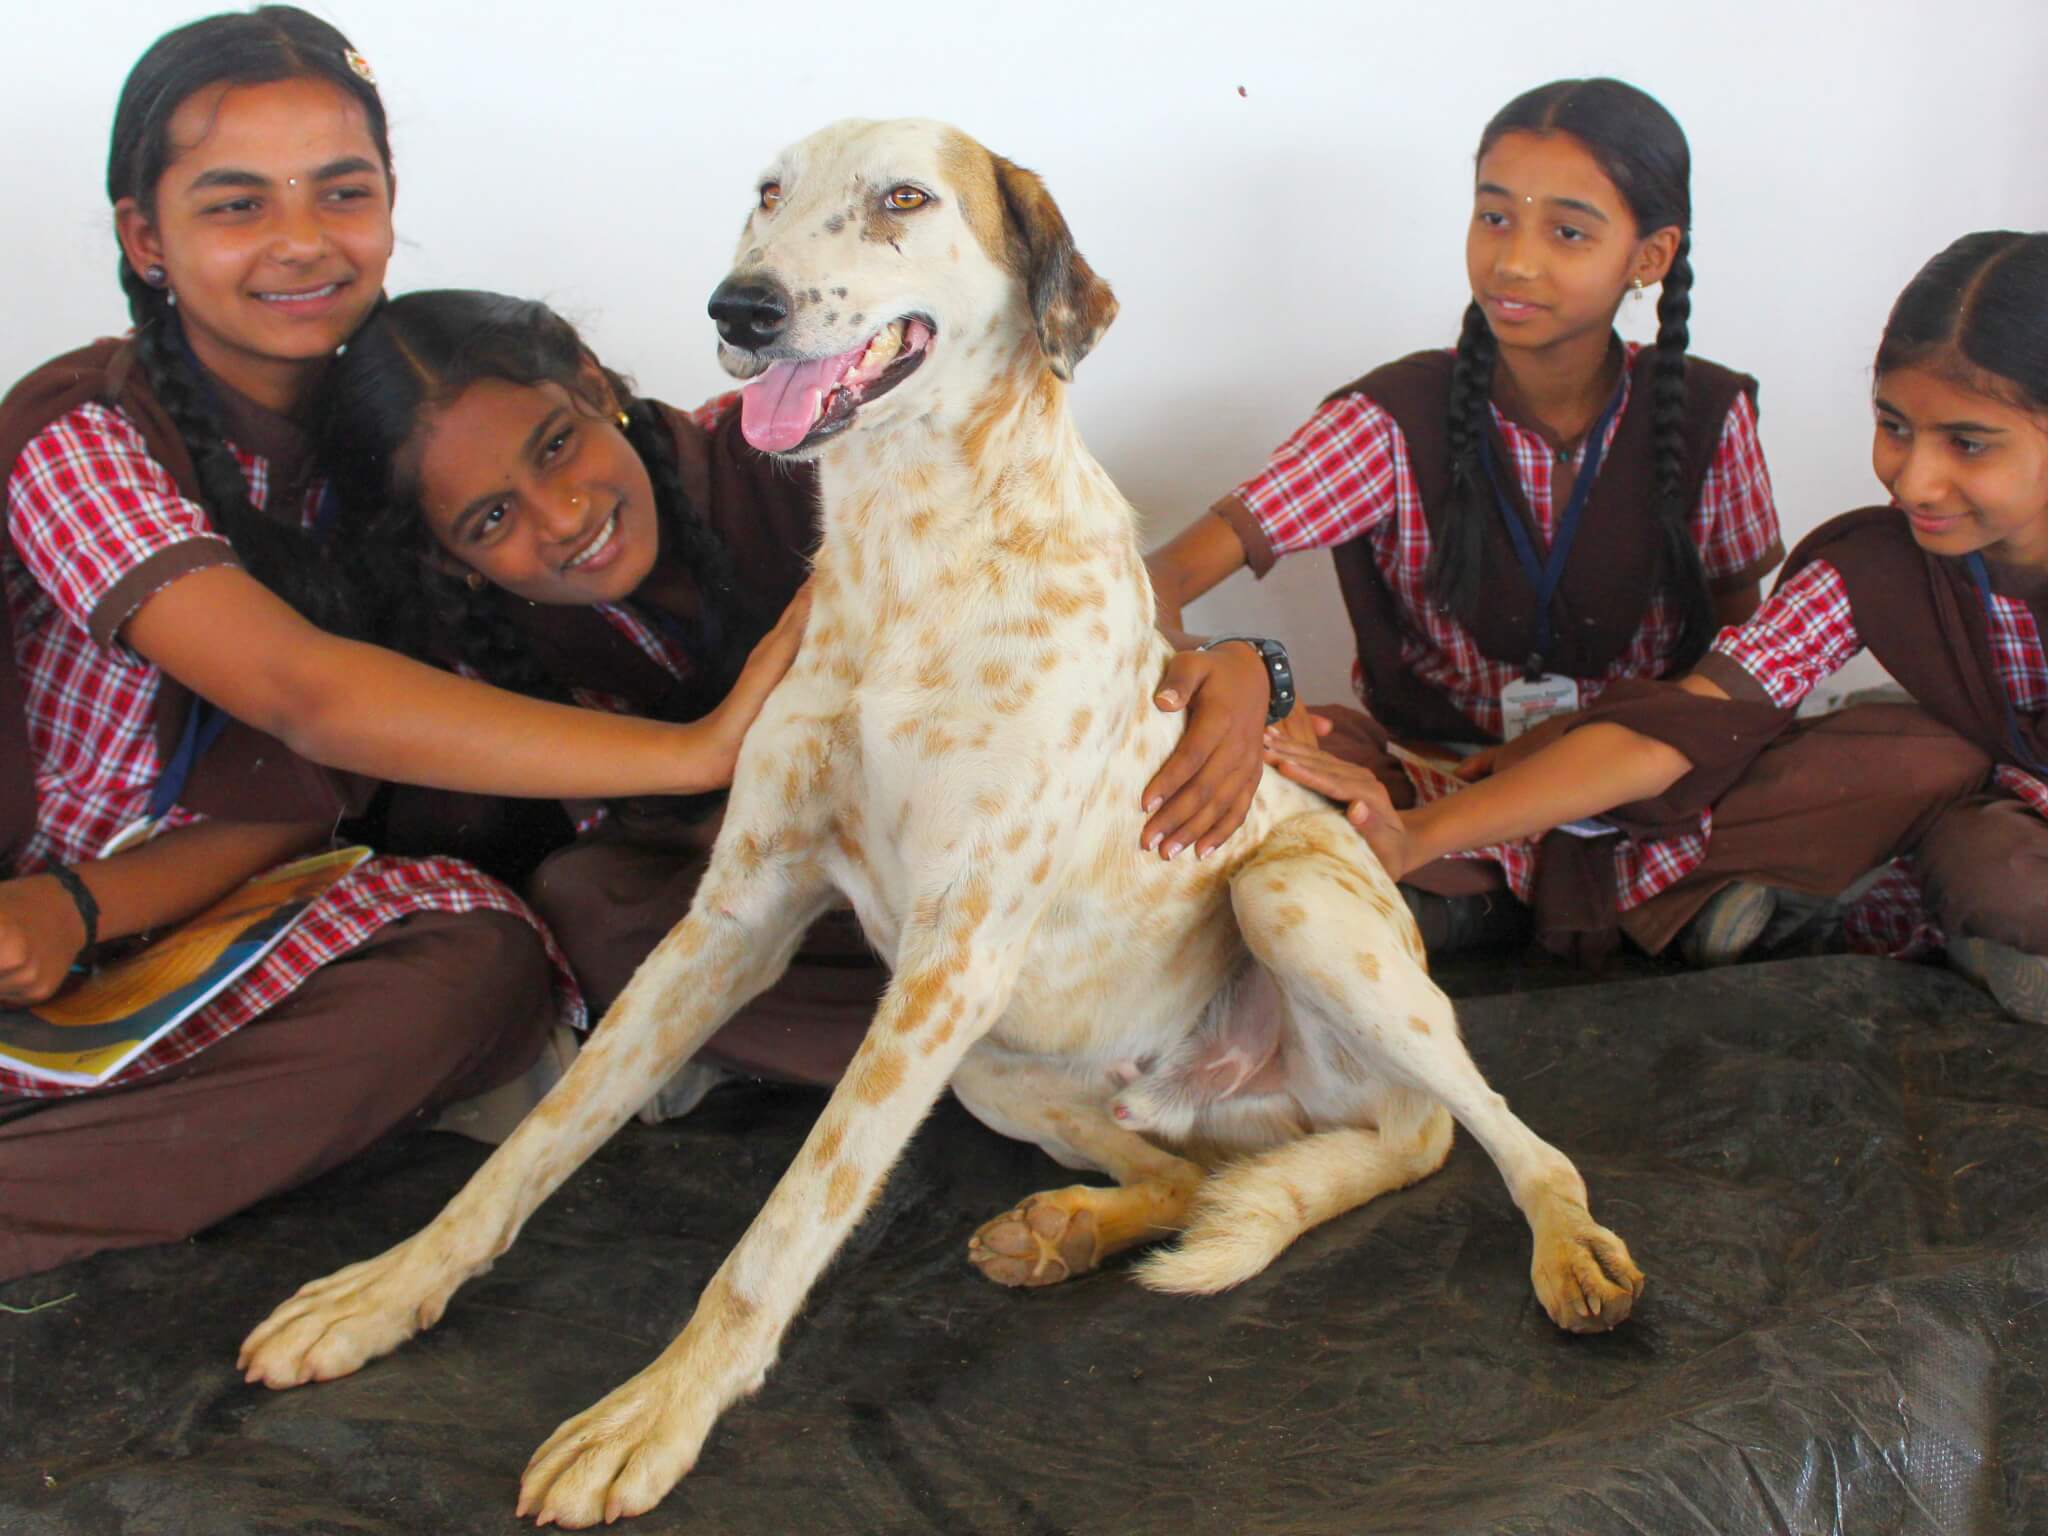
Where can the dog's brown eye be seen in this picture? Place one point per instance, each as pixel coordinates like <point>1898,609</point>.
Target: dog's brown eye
<point>771,196</point>
<point>903,199</point>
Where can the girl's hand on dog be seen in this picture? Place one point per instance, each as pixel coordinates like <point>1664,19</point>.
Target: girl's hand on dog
<point>40,935</point>
<point>1204,790</point>
<point>1358,789</point>
<point>766,664</point>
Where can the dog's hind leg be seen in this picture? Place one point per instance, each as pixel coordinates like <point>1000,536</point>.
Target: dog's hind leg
<point>1059,1233</point>
<point>1248,1213</point>
<point>1324,918</point>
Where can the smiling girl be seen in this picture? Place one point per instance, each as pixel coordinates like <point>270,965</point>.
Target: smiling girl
<point>531,521</point>
<point>1520,522</point>
<point>177,651</point>
<point>1947,586</point>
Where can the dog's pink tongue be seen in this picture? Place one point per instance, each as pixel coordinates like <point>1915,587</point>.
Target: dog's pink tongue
<point>778,409</point>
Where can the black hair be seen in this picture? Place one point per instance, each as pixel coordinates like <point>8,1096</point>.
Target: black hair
<point>1642,150</point>
<point>1978,313</point>
<point>422,351</point>
<point>259,47</point>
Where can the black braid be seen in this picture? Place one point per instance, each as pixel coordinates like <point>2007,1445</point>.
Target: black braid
<point>716,644</point>
<point>477,624</point>
<point>1684,577</point>
<point>1457,560</point>
<point>280,555</point>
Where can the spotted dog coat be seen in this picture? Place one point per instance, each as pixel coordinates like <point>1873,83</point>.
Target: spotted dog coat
<point>960,749</point>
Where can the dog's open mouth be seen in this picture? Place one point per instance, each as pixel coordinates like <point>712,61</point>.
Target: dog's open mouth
<point>795,404</point>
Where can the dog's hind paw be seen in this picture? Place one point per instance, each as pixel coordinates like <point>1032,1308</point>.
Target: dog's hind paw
<point>1583,1273</point>
<point>1041,1241</point>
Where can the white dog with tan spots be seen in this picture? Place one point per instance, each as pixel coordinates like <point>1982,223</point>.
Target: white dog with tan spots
<point>1248,1044</point>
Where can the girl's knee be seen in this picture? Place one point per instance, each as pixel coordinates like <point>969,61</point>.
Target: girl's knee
<point>1984,868</point>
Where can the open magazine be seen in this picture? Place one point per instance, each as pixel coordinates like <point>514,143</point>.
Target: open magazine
<point>91,1030</point>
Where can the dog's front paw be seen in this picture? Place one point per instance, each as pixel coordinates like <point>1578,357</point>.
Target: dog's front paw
<point>619,1457</point>
<point>1041,1241</point>
<point>332,1327</point>
<point>1582,1272</point>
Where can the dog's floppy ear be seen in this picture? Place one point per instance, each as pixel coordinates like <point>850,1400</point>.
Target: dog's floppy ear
<point>1071,306</point>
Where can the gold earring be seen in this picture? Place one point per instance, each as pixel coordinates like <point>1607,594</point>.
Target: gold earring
<point>1638,290</point>
<point>625,421</point>
<point>474,581</point>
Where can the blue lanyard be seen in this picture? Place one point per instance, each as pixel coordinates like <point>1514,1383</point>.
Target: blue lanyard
<point>1982,577</point>
<point>203,725</point>
<point>1544,576</point>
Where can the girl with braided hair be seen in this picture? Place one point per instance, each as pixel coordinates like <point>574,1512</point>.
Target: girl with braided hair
<point>1522,521</point>
<point>1947,586</point>
<point>178,659</point>
<point>525,518</point>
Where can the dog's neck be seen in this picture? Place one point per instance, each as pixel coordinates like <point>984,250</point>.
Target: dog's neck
<point>940,504</point>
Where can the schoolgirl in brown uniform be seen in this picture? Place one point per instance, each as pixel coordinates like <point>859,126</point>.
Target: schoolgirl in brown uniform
<point>530,521</point>
<point>1947,586</point>
<point>179,665</point>
<point>1520,522</point>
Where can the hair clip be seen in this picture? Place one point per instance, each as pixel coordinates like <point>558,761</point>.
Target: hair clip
<point>360,65</point>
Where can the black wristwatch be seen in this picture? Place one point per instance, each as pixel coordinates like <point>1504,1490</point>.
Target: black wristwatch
<point>1279,674</point>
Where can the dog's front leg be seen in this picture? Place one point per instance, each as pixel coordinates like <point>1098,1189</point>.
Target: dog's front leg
<point>749,915</point>
<point>955,971</point>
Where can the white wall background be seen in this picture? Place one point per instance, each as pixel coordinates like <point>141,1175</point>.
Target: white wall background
<point>1278,190</point>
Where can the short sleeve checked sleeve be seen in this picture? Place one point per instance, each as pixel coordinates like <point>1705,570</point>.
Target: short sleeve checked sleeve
<point>1339,477</point>
<point>1737,517</point>
<point>99,524</point>
<point>1803,634</point>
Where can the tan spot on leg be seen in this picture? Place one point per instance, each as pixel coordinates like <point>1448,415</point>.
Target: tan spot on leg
<point>829,1142</point>
<point>1418,1023</point>
<point>841,1191</point>
<point>878,1078</point>
<point>1041,870</point>
<point>1078,728</point>
<point>1288,916</point>
<point>1369,966</point>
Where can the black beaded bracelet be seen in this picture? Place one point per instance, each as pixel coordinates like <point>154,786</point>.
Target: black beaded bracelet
<point>82,898</point>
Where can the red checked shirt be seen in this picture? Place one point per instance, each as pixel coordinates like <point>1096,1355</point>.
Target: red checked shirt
<point>1345,475</point>
<point>88,506</point>
<point>1805,634</point>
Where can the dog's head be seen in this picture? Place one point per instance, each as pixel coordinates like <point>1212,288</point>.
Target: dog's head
<point>876,252</point>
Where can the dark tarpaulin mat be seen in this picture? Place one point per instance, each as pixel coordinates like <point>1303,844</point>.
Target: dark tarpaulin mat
<point>1832,1171</point>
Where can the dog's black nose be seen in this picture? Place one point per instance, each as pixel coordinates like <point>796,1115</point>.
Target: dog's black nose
<point>750,311</point>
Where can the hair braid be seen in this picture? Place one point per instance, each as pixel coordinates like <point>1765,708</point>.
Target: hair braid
<point>1457,563</point>
<point>475,624</point>
<point>278,554</point>
<point>715,647</point>
<point>1685,578</point>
